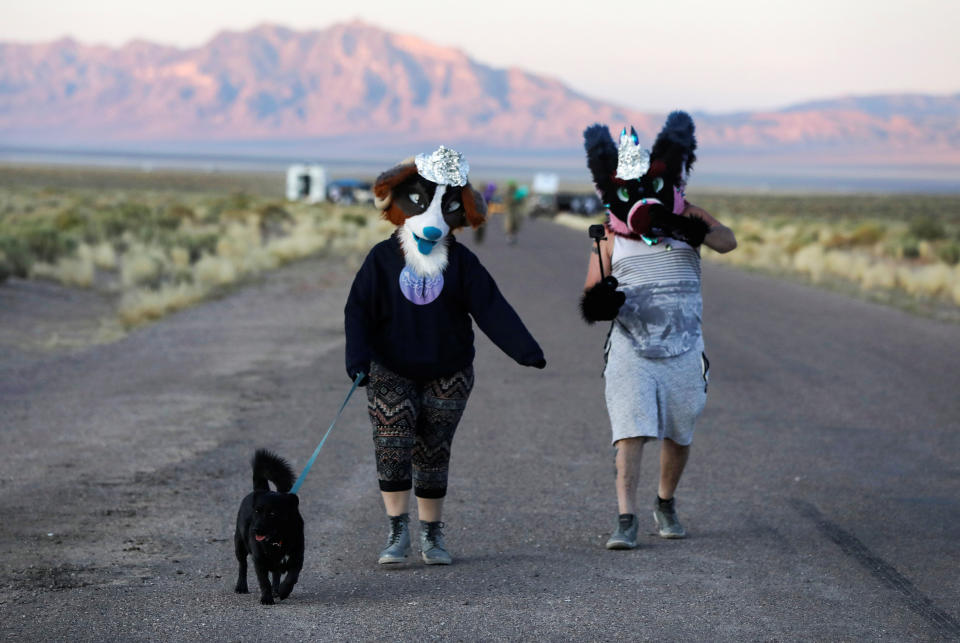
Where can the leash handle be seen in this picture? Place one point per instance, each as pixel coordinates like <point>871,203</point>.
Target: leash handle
<point>306,469</point>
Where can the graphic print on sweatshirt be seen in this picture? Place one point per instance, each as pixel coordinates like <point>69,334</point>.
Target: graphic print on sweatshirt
<point>418,289</point>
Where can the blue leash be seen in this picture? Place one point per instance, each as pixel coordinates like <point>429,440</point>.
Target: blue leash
<point>306,469</point>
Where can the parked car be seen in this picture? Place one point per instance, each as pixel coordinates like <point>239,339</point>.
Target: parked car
<point>579,203</point>
<point>350,191</point>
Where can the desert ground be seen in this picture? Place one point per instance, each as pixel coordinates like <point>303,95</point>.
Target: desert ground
<point>821,497</point>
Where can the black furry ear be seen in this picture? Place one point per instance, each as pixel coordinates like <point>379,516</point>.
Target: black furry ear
<point>601,157</point>
<point>676,143</point>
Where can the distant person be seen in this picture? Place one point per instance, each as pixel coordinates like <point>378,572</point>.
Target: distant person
<point>514,200</point>
<point>489,195</point>
<point>656,366</point>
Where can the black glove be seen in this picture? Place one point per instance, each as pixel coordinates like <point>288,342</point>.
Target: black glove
<point>602,302</point>
<point>691,230</point>
<point>540,363</point>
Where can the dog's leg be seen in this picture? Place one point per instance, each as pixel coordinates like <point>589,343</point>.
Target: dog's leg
<point>241,551</point>
<point>294,565</point>
<point>263,578</point>
<point>276,581</point>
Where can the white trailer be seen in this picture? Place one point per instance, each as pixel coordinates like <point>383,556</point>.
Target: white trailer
<point>306,182</point>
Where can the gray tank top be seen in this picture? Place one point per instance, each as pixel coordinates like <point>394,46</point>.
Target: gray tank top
<point>663,310</point>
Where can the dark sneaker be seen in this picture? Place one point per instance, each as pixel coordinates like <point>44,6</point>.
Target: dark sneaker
<point>625,535</point>
<point>432,548</point>
<point>398,542</point>
<point>668,525</point>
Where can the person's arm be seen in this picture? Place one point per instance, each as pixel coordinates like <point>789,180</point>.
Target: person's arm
<point>593,268</point>
<point>357,315</point>
<point>497,318</point>
<point>719,238</point>
<point>601,300</point>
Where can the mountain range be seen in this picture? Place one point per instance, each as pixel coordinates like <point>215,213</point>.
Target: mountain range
<point>357,84</point>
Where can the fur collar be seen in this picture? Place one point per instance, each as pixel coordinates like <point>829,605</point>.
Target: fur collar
<point>429,265</point>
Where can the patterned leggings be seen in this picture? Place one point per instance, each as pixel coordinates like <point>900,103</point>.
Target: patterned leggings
<point>413,426</point>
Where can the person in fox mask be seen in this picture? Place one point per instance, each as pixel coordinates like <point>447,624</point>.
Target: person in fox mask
<point>656,365</point>
<point>408,329</point>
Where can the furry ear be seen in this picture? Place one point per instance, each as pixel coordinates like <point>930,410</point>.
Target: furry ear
<point>676,143</point>
<point>602,157</point>
<point>383,187</point>
<point>474,206</point>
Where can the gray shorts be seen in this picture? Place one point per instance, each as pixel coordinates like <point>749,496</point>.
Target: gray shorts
<point>654,398</point>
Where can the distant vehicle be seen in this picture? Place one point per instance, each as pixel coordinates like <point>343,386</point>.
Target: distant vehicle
<point>584,204</point>
<point>306,182</point>
<point>544,200</point>
<point>350,191</point>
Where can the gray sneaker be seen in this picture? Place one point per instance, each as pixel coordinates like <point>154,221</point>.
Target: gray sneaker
<point>668,525</point>
<point>432,548</point>
<point>625,536</point>
<point>398,542</point>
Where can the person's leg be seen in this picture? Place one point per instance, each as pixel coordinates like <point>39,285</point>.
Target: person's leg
<point>393,405</point>
<point>629,452</point>
<point>684,396</point>
<point>630,392</point>
<point>442,404</point>
<point>429,509</point>
<point>673,459</point>
<point>396,502</point>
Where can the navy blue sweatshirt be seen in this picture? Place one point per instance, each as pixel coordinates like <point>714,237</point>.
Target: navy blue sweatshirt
<point>428,340</point>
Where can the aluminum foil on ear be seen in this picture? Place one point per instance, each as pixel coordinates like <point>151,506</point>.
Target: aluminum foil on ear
<point>633,161</point>
<point>444,167</point>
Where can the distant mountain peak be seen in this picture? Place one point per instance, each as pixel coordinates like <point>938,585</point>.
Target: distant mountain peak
<point>357,81</point>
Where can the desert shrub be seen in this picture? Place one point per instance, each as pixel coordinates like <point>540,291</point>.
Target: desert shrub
<point>949,253</point>
<point>70,220</point>
<point>45,243</point>
<point>181,212</point>
<point>803,238</point>
<point>274,220</point>
<point>197,245</point>
<point>354,218</point>
<point>909,248</point>
<point>927,228</point>
<point>867,234</point>
<point>14,257</point>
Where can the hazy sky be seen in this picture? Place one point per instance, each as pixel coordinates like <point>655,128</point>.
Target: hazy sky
<point>715,55</point>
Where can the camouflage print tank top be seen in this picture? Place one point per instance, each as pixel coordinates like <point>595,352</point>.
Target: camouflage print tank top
<point>664,308</point>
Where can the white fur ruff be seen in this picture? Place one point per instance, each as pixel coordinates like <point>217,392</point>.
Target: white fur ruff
<point>429,265</point>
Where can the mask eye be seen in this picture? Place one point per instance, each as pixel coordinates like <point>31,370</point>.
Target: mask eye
<point>623,194</point>
<point>414,197</point>
<point>454,206</point>
<point>657,184</point>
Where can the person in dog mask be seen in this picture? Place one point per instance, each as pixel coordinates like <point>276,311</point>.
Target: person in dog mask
<point>408,327</point>
<point>656,368</point>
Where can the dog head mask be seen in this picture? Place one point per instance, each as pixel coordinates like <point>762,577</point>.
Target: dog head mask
<point>427,198</point>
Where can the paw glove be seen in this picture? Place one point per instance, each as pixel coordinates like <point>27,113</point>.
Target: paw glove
<point>602,302</point>
<point>691,230</point>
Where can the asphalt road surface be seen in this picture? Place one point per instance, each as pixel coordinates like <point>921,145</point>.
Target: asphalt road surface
<point>822,497</point>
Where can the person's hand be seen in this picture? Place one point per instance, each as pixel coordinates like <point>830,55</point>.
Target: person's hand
<point>353,372</point>
<point>540,363</point>
<point>688,228</point>
<point>602,302</point>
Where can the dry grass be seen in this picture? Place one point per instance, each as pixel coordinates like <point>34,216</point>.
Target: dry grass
<point>879,254</point>
<point>159,248</point>
<point>903,245</point>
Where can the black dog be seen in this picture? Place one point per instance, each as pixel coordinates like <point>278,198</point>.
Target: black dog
<point>270,529</point>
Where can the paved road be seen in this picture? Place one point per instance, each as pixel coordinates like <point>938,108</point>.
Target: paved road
<point>821,497</point>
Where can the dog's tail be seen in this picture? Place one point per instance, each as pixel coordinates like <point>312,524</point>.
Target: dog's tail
<point>270,466</point>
